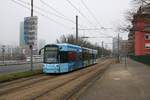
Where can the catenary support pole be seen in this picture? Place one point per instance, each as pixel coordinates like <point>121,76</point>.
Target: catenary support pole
<point>76,29</point>
<point>102,49</point>
<point>31,46</point>
<point>31,8</point>
<point>118,48</point>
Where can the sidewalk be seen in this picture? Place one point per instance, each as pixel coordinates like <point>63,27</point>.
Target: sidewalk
<point>121,83</point>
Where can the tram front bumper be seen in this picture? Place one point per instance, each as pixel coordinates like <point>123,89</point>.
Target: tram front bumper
<point>51,68</point>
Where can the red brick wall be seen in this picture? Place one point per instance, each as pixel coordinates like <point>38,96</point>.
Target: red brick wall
<point>139,38</point>
<point>139,43</point>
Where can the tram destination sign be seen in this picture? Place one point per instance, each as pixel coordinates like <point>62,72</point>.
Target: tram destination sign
<point>30,30</point>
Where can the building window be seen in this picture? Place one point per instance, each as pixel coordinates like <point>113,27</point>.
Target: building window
<point>147,45</point>
<point>147,36</point>
<point>146,27</point>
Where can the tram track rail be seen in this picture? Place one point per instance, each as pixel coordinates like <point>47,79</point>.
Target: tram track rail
<point>68,81</point>
<point>74,88</point>
<point>40,88</point>
<point>12,86</point>
<point>3,84</point>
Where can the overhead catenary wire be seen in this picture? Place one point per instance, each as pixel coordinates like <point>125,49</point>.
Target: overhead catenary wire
<point>85,17</point>
<point>145,2</point>
<point>49,6</point>
<point>46,11</point>
<point>91,13</point>
<point>98,37</point>
<point>94,17</point>
<point>63,25</point>
<point>58,12</point>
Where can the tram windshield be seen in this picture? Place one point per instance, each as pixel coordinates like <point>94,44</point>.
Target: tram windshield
<point>51,55</point>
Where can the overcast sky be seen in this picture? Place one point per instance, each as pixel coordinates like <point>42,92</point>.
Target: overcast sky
<point>109,14</point>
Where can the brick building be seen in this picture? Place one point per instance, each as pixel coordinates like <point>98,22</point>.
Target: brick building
<point>139,36</point>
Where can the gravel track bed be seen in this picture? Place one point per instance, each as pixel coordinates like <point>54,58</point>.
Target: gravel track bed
<point>4,84</point>
<point>12,86</point>
<point>63,84</point>
<point>66,91</point>
<point>48,86</point>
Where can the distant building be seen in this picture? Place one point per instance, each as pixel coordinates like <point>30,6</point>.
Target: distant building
<point>21,40</point>
<point>24,47</point>
<point>131,38</point>
<point>10,52</point>
<point>115,46</point>
<point>123,46</point>
<point>30,32</point>
<point>139,36</point>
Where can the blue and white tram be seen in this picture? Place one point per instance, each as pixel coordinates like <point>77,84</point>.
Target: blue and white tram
<point>61,58</point>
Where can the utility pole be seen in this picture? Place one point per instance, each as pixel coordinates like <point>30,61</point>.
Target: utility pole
<point>118,48</point>
<point>76,29</point>
<point>102,48</point>
<point>31,8</point>
<point>126,53</point>
<point>31,46</point>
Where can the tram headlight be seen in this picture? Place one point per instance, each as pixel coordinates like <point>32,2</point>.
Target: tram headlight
<point>44,66</point>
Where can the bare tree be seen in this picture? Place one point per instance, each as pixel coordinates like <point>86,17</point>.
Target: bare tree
<point>129,15</point>
<point>72,40</point>
<point>83,43</point>
<point>62,39</point>
<point>141,2</point>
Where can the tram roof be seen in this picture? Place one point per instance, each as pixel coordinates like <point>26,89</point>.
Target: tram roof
<point>67,44</point>
<point>72,45</point>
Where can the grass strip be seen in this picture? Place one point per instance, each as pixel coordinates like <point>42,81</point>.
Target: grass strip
<point>17,75</point>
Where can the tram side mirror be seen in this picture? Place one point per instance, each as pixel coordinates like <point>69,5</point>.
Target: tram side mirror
<point>40,51</point>
<point>60,47</point>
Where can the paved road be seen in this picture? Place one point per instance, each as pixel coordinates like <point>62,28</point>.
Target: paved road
<point>121,83</point>
<point>16,68</point>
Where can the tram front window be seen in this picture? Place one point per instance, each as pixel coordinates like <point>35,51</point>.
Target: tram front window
<point>51,55</point>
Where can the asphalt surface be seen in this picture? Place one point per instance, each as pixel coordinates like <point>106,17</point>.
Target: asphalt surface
<point>18,68</point>
<point>120,82</point>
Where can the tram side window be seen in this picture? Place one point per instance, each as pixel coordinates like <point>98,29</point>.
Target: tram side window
<point>86,56</point>
<point>83,56</point>
<point>91,56</point>
<point>72,56</point>
<point>80,56</point>
<point>147,36</point>
<point>94,56</point>
<point>63,57</point>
